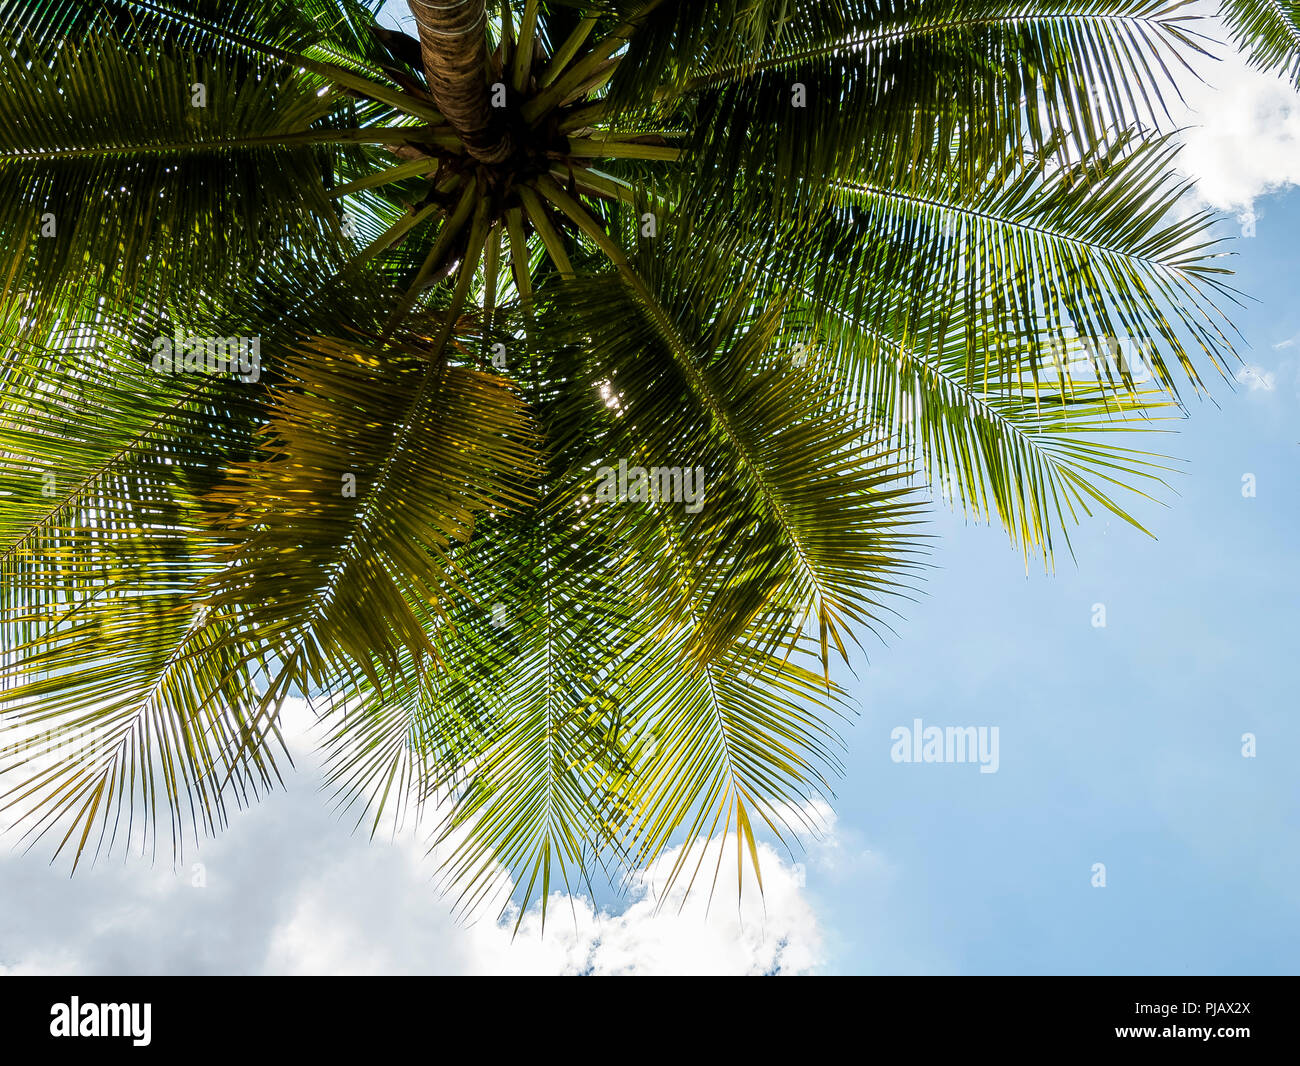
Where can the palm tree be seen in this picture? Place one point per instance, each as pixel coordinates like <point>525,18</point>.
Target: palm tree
<point>549,396</point>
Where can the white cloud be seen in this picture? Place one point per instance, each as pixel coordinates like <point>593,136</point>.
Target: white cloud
<point>289,889</point>
<point>1243,135</point>
<point>327,932</point>
<point>1257,378</point>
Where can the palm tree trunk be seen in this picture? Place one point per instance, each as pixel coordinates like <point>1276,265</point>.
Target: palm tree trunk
<point>453,45</point>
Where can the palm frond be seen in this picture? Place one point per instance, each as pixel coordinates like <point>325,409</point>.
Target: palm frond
<point>951,314</point>
<point>1267,32</point>
<point>374,464</point>
<point>126,696</point>
<point>181,194</point>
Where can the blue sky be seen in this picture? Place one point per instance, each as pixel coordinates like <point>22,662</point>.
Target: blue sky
<point>1118,745</point>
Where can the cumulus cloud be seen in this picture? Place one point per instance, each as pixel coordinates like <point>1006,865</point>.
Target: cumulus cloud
<point>289,889</point>
<point>1245,141</point>
<point>1242,131</point>
<point>327,932</point>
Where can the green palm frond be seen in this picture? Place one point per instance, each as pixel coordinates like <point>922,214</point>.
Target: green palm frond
<point>999,333</point>
<point>374,464</point>
<point>127,694</point>
<point>790,496</point>
<point>795,535</point>
<point>180,194</point>
<point>517,733</point>
<point>328,31</point>
<point>1267,32</point>
<point>846,86</point>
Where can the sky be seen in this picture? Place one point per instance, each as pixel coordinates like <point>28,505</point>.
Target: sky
<point>1119,745</point>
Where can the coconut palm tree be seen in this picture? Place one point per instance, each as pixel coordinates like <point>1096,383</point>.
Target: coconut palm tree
<point>551,394</point>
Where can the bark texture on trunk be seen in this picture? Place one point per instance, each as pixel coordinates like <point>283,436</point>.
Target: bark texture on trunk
<point>453,45</point>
